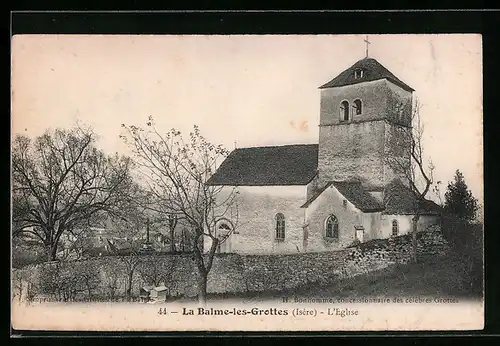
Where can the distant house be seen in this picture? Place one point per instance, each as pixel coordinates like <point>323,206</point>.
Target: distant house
<point>159,293</point>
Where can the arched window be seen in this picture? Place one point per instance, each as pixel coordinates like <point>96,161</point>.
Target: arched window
<point>357,107</point>
<point>223,229</point>
<point>224,226</point>
<point>280,226</point>
<point>344,111</point>
<point>332,227</point>
<point>395,228</point>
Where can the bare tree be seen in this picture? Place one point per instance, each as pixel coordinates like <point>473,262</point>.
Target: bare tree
<point>88,276</point>
<point>172,220</point>
<point>405,156</point>
<point>61,182</point>
<point>18,284</point>
<point>129,228</point>
<point>436,189</point>
<point>176,174</point>
<point>152,270</point>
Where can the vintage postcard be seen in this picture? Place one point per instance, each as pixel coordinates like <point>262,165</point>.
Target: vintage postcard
<point>247,183</point>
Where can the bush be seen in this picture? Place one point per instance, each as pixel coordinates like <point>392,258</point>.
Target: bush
<point>466,241</point>
<point>66,280</point>
<point>354,243</point>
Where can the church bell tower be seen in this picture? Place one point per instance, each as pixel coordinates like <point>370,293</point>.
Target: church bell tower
<point>359,109</point>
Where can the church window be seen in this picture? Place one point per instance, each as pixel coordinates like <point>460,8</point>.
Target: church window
<point>395,228</point>
<point>332,227</point>
<point>357,107</point>
<point>344,111</point>
<point>280,226</point>
<point>358,73</point>
<point>224,228</point>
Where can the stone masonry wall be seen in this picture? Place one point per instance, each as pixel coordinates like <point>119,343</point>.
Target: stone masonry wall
<point>356,148</point>
<point>256,220</point>
<point>234,273</point>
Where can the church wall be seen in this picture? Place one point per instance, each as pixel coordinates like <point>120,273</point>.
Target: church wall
<point>256,223</point>
<point>352,150</point>
<point>397,151</point>
<point>312,187</point>
<point>404,224</point>
<point>399,104</point>
<point>372,223</point>
<point>331,202</point>
<point>373,96</point>
<point>399,111</point>
<point>356,148</point>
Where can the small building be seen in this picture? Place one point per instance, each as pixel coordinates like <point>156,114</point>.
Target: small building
<point>145,293</point>
<point>159,293</point>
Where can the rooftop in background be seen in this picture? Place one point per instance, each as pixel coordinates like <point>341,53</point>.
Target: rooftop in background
<point>372,70</point>
<point>267,166</point>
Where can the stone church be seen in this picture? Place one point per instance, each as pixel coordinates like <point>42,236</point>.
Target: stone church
<point>326,196</point>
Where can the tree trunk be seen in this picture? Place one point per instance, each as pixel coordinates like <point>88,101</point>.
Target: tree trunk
<point>414,237</point>
<point>202,289</point>
<point>172,241</point>
<point>129,286</point>
<point>51,250</point>
<point>203,268</point>
<point>20,290</point>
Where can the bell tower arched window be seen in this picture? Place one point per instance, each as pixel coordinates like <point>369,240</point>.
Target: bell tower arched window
<point>344,111</point>
<point>357,107</point>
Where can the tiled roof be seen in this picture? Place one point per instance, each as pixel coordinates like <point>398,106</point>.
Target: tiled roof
<point>267,166</point>
<point>400,200</point>
<point>372,70</point>
<point>354,193</point>
<point>357,195</point>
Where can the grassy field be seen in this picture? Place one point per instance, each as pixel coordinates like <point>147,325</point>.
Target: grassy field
<point>449,277</point>
<point>444,277</point>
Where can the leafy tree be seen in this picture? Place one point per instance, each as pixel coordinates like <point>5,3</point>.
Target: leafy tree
<point>459,200</point>
<point>62,182</point>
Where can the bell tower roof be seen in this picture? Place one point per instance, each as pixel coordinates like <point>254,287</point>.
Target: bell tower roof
<point>365,70</point>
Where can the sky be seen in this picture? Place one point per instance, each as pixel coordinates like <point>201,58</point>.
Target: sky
<point>246,90</point>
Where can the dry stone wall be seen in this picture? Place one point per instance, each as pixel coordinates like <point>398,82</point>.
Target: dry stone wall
<point>233,273</point>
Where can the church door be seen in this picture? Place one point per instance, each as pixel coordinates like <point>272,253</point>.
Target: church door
<point>225,246</point>
<point>224,236</point>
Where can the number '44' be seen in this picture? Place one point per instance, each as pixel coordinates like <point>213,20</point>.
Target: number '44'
<point>162,311</point>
